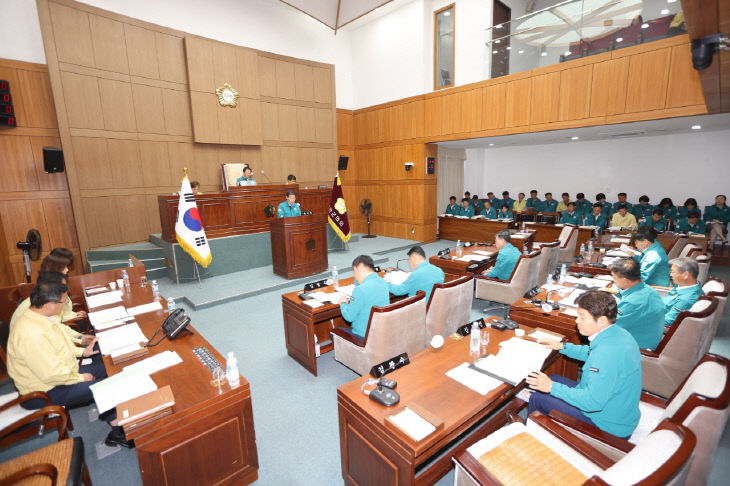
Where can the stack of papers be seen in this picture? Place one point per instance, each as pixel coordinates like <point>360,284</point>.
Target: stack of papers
<point>479,382</point>
<point>101,319</point>
<point>145,308</point>
<point>570,299</point>
<point>313,303</point>
<point>325,298</point>
<point>537,334</point>
<point>96,290</point>
<point>617,253</point>
<point>120,337</point>
<point>471,258</point>
<point>412,424</point>
<point>587,281</point>
<point>106,298</point>
<point>110,392</point>
<point>621,240</point>
<point>155,363</point>
<point>516,359</point>
<point>483,252</point>
<point>397,277</point>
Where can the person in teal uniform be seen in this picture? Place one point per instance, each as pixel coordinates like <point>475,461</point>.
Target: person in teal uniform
<point>651,257</point>
<point>621,200</point>
<point>506,200</point>
<point>670,212</point>
<point>452,208</point>
<point>493,200</point>
<point>597,218</point>
<point>609,390</point>
<point>689,205</point>
<point>370,291</point>
<point>505,213</point>
<point>477,204</point>
<point>289,208</point>
<point>489,212</point>
<point>716,219</point>
<point>570,216</point>
<point>466,208</point>
<point>534,202</point>
<point>656,221</point>
<point>685,291</point>
<point>643,209</point>
<point>247,178</point>
<point>549,205</point>
<point>507,257</point>
<point>423,276</point>
<point>467,195</point>
<point>582,205</point>
<point>640,308</point>
<point>691,224</point>
<point>605,206</point>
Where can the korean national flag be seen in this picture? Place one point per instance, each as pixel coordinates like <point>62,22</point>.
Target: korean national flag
<point>189,227</point>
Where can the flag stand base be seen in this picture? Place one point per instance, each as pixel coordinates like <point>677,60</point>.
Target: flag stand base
<point>196,275</point>
<point>369,236</point>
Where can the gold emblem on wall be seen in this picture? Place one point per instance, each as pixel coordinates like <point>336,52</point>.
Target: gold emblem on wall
<point>227,96</point>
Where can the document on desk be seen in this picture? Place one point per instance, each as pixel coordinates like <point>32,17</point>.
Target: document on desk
<point>587,281</point>
<point>412,424</point>
<point>120,337</point>
<point>145,308</point>
<point>623,241</point>
<point>96,290</point>
<point>471,258</point>
<point>482,252</point>
<point>98,319</point>
<point>155,363</point>
<point>397,277</point>
<point>326,298</point>
<point>106,298</point>
<point>617,253</point>
<point>516,359</point>
<point>112,391</point>
<point>479,382</point>
<point>312,303</point>
<point>570,299</point>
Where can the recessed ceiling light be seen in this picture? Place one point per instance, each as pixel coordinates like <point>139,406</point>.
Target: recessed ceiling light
<point>664,11</point>
<point>644,25</point>
<point>520,52</point>
<point>543,54</point>
<point>447,13</point>
<point>574,138</point>
<point>696,127</point>
<point>491,145</point>
<point>494,52</point>
<point>509,48</point>
<point>619,39</point>
<point>671,1</point>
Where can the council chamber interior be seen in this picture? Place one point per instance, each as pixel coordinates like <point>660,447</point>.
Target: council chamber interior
<point>303,242</point>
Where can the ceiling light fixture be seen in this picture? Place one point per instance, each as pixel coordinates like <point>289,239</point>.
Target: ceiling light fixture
<point>494,52</point>
<point>619,39</point>
<point>574,138</point>
<point>644,25</point>
<point>520,52</point>
<point>491,145</point>
<point>543,50</point>
<point>696,127</point>
<point>664,11</point>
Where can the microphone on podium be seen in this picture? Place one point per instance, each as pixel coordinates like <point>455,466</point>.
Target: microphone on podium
<point>267,177</point>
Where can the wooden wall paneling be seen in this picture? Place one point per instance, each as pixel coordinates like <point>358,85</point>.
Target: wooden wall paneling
<point>267,76</point>
<point>124,163</point>
<point>684,87</point>
<point>346,128</point>
<point>517,102</point>
<point>208,164</point>
<point>98,212</point>
<point>16,159</point>
<point>647,81</point>
<point>451,113</point>
<point>171,58</point>
<point>18,217</point>
<point>117,105</point>
<point>323,125</point>
<point>176,109</point>
<point>205,117</point>
<point>149,110</point>
<point>252,155</point>
<point>326,165</point>
<point>199,53</point>
<point>247,63</point>
<point>608,87</point>
<point>271,159</point>
<point>229,124</point>
<point>82,101</point>
<point>47,182</point>
<point>398,123</point>
<point>545,98</point>
<point>155,163</point>
<point>287,118</point>
<point>91,163</point>
<point>285,87</point>
<point>270,121</point>
<point>493,106</point>
<point>72,35</point>
<point>305,124</point>
<point>574,96</point>
<point>60,222</point>
<point>225,66</point>
<point>132,217</point>
<point>323,84</point>
<point>110,48</point>
<point>249,111</point>
<point>303,82</point>
<point>153,213</point>
<point>384,125</point>
<point>36,94</point>
<point>141,52</point>
<point>471,115</point>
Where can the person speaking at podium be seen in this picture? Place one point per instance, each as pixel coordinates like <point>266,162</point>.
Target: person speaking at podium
<point>247,178</point>
<point>290,207</point>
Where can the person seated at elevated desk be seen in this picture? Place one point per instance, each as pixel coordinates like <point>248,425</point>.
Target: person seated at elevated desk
<point>651,257</point>
<point>506,200</point>
<point>640,308</point>
<point>507,257</point>
<point>624,219</point>
<point>691,224</point>
<point>656,221</point>
<point>493,200</point>
<point>685,291</point>
<point>289,208</point>
<point>489,212</point>
<point>466,208</point>
<point>670,212</point>
<point>549,205</point>
<point>291,179</point>
<point>605,206</point>
<point>370,290</point>
<point>195,187</point>
<point>505,213</point>
<point>247,178</point>
<point>689,205</point>
<point>597,218</point>
<point>534,203</point>
<point>643,209</point>
<point>59,261</point>
<point>423,276</point>
<point>609,390</point>
<point>452,208</point>
<point>477,204</point>
<point>621,201</point>
<point>563,205</point>
<point>519,205</point>
<point>570,216</point>
<point>582,205</point>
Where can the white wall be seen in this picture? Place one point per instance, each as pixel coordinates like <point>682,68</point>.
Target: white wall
<point>677,166</point>
<point>20,36</point>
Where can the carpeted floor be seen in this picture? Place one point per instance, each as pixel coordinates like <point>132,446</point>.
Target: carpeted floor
<point>295,413</point>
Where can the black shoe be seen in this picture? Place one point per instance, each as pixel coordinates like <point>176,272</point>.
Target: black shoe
<point>117,438</point>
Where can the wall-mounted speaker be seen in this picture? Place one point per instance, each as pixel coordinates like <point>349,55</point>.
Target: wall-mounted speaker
<point>53,160</point>
<point>7,113</point>
<point>342,163</point>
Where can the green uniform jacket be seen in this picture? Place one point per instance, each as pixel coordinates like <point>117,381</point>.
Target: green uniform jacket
<point>584,208</point>
<point>670,212</point>
<point>507,215</point>
<point>567,218</point>
<point>659,225</point>
<point>722,214</point>
<point>601,221</point>
<point>509,202</point>
<point>654,265</point>
<point>550,206</point>
<point>536,204</point>
<point>684,226</point>
<point>683,211</point>
<point>641,312</point>
<point>680,299</point>
<point>242,181</point>
<point>494,202</point>
<point>491,214</point>
<point>286,211</point>
<point>480,206</point>
<point>422,278</point>
<point>610,386</point>
<point>373,291</point>
<point>643,211</point>
<point>469,212</point>
<point>606,209</point>
<point>452,209</point>
<point>614,207</point>
<point>506,261</point>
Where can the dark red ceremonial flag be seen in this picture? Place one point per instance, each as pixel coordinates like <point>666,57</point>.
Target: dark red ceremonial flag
<point>337,212</point>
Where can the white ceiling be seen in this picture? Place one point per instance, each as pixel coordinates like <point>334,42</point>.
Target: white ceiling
<point>335,13</point>
<point>602,132</point>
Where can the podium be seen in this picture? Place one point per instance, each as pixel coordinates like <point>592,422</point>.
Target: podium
<point>299,245</point>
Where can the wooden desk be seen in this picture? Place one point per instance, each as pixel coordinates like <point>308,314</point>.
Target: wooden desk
<point>299,245</point>
<point>240,210</point>
<point>374,454</point>
<point>476,230</point>
<point>209,438</point>
<point>454,268</point>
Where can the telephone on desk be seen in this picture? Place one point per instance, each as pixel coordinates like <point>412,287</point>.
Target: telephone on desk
<point>173,325</point>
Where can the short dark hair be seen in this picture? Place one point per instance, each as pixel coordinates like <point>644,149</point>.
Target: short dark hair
<point>666,201</point>
<point>475,196</point>
<point>571,203</point>
<point>565,194</point>
<point>364,260</point>
<point>291,177</point>
<point>598,304</point>
<point>452,197</point>
<point>693,214</point>
<point>646,233</point>
<point>505,193</point>
<point>54,263</point>
<point>658,211</point>
<point>64,253</point>
<point>504,206</point>
<point>467,192</point>
<point>534,191</point>
<point>622,206</point>
<point>644,198</point>
<point>600,196</point>
<point>46,292</point>
<point>51,277</point>
<point>290,192</point>
<point>248,167</point>
<point>465,199</point>
<point>627,268</point>
<point>622,194</point>
<point>691,201</point>
<point>417,250</point>
<point>522,193</point>
<point>598,205</point>
<point>580,195</point>
<point>194,184</point>
<point>548,194</point>
<point>505,235</point>
<point>490,192</point>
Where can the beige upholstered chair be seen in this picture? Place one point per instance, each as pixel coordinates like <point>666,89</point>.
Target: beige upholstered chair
<point>523,278</point>
<point>393,329</point>
<point>680,241</point>
<point>681,348</point>
<point>703,261</point>
<point>664,457</point>
<point>690,250</point>
<point>549,253</point>
<point>568,239</point>
<point>231,172</point>
<point>718,289</point>
<point>449,307</point>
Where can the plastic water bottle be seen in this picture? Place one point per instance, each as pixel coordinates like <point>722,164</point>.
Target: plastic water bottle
<point>549,281</point>
<point>525,251</point>
<point>232,370</point>
<point>459,248</point>
<point>335,277</point>
<point>125,277</point>
<point>590,248</point>
<point>523,226</point>
<point>563,273</point>
<point>474,340</point>
<point>582,249</point>
<point>170,304</point>
<point>130,263</point>
<point>317,349</point>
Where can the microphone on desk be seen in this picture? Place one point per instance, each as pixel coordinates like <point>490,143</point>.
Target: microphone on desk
<point>267,177</point>
<point>397,263</point>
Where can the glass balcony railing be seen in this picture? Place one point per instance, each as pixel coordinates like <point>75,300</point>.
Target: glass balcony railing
<point>577,28</point>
